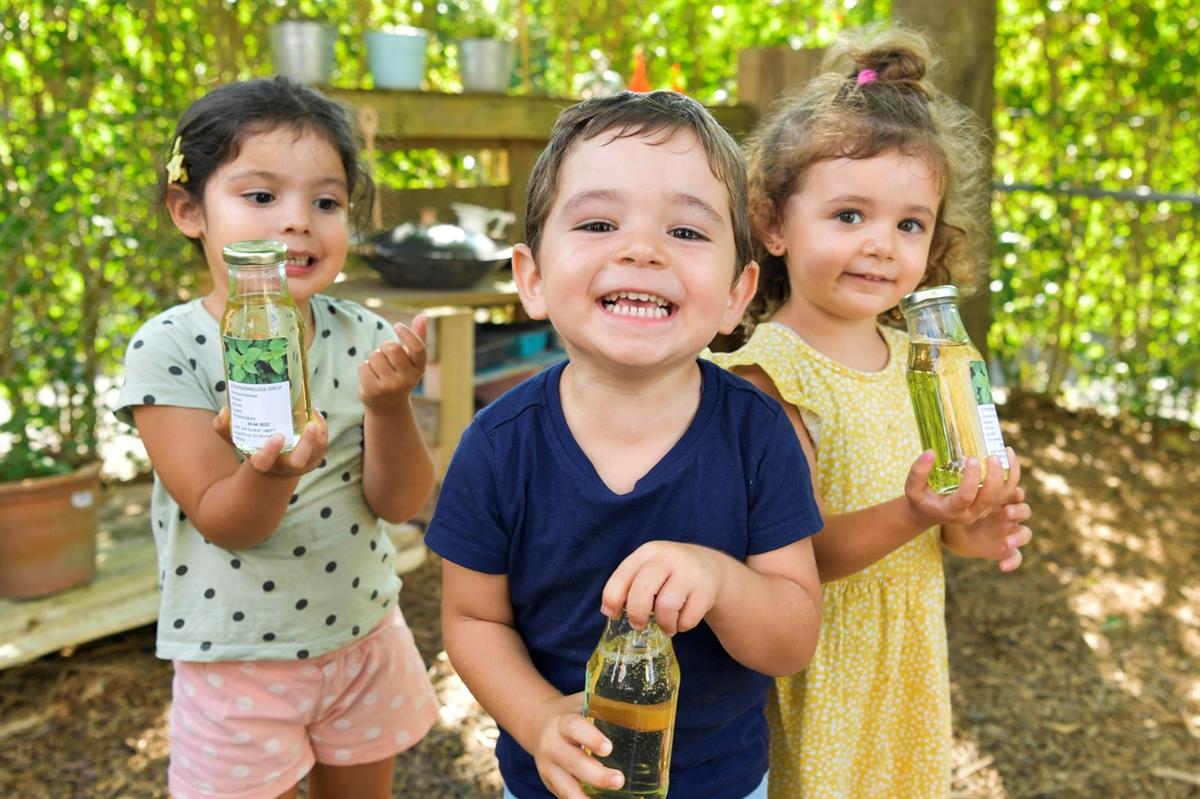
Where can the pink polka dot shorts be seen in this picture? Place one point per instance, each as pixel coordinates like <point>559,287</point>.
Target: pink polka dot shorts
<point>253,729</point>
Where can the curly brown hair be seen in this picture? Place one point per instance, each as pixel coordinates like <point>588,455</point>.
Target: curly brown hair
<point>836,116</point>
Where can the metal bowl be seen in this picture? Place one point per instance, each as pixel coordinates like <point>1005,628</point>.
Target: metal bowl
<point>433,256</point>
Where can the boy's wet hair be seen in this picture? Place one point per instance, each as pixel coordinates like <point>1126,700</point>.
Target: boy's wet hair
<point>871,99</point>
<point>213,128</point>
<point>627,114</point>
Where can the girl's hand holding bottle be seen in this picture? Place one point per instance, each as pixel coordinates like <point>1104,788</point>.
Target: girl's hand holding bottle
<point>390,373</point>
<point>998,536</point>
<point>301,459</point>
<point>979,519</point>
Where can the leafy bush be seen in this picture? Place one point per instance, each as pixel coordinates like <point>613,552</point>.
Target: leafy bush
<point>1095,283</point>
<point>1095,294</point>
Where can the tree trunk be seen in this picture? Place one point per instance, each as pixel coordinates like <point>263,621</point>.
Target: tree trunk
<point>963,34</point>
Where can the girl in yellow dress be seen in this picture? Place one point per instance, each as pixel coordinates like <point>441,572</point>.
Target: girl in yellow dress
<point>867,185</point>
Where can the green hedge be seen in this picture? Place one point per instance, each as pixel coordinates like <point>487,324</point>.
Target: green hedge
<point>1091,295</point>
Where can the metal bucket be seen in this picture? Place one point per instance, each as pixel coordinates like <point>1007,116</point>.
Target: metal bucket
<point>485,64</point>
<point>303,49</point>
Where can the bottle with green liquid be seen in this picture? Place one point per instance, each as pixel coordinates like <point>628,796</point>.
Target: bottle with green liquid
<point>951,393</point>
<point>630,692</point>
<point>262,343</point>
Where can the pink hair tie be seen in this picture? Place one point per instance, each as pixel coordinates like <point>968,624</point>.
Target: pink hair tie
<point>866,76</point>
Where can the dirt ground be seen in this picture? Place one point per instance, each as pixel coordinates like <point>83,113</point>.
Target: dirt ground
<point>1077,676</point>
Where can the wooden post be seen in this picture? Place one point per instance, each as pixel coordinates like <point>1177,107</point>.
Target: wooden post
<point>767,73</point>
<point>963,34</point>
<point>449,377</point>
<point>521,157</point>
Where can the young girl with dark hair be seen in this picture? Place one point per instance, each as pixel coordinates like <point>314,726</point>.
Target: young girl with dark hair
<point>279,597</point>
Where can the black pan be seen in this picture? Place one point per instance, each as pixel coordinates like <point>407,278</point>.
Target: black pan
<point>432,256</point>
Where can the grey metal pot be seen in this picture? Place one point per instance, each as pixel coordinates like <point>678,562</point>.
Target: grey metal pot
<point>485,64</point>
<point>303,49</point>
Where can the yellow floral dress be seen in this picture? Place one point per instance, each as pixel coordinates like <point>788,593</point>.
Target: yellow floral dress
<point>870,717</point>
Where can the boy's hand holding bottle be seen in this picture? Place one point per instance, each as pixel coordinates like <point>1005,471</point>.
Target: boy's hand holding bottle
<point>560,731</point>
<point>678,583</point>
<point>389,375</point>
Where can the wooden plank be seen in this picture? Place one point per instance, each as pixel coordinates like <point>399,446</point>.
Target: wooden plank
<point>122,595</point>
<point>449,377</point>
<point>405,205</point>
<point>434,116</point>
<point>521,158</point>
<point>372,291</point>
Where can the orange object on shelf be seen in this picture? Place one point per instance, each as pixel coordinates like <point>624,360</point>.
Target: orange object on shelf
<point>638,82</point>
<point>678,84</point>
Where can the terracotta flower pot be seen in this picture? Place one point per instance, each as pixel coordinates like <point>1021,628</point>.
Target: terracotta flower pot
<point>48,533</point>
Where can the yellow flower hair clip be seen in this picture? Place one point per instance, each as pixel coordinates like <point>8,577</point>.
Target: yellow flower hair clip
<point>176,171</point>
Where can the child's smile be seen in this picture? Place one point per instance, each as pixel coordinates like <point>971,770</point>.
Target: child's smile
<point>637,304</point>
<point>636,265</point>
<point>299,263</point>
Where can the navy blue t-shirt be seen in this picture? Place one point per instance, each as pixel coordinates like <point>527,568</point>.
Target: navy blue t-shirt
<point>521,498</point>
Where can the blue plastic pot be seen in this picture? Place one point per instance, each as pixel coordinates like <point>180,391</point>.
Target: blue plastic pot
<point>396,57</point>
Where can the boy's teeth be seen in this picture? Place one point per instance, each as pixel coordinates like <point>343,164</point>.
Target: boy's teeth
<point>637,296</point>
<point>656,312</point>
<point>659,309</point>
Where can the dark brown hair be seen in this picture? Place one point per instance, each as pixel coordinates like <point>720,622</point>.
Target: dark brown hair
<point>636,114</point>
<point>212,130</point>
<point>836,115</point>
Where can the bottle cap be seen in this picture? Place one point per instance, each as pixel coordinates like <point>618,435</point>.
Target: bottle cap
<point>243,253</point>
<point>927,295</point>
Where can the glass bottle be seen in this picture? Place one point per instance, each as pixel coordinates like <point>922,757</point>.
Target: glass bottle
<point>262,343</point>
<point>951,393</point>
<point>630,693</point>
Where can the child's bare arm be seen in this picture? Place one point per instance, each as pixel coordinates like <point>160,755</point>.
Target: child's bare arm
<point>766,611</point>
<point>850,542</point>
<point>397,468</point>
<point>488,653</point>
<point>236,505</point>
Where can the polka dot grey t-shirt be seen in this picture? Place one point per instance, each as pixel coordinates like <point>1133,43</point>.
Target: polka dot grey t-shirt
<point>325,577</point>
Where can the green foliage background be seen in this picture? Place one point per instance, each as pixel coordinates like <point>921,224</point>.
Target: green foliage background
<point>1098,297</point>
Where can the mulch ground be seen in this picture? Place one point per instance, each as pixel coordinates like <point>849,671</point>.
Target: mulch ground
<point>1077,676</point>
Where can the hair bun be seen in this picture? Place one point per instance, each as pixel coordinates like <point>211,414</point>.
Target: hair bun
<point>895,65</point>
<point>895,54</point>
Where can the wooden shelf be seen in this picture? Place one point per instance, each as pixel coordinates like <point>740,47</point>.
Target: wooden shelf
<point>517,127</point>
<point>465,121</point>
<point>517,366</point>
<point>368,289</point>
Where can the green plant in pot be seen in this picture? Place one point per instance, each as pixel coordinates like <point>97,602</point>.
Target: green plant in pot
<point>50,473</point>
<point>80,264</point>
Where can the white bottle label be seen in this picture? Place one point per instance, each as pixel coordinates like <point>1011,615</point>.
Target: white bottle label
<point>260,393</point>
<point>989,420</point>
<point>258,412</point>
